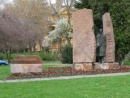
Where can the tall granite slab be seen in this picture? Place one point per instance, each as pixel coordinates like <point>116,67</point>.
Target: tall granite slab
<point>108,31</point>
<point>84,44</point>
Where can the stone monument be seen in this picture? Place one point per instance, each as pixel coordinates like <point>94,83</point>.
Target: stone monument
<point>26,64</point>
<point>110,45</point>
<point>108,31</point>
<point>84,44</point>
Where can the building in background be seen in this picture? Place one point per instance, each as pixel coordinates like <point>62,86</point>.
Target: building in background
<point>59,11</point>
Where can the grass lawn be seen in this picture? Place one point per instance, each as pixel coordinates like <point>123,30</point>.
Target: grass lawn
<point>127,63</point>
<point>96,87</point>
<point>15,54</point>
<point>54,64</point>
<point>4,72</point>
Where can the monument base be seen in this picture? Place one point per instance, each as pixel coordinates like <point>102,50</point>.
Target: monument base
<point>106,65</point>
<point>25,68</point>
<point>84,66</point>
<point>90,66</point>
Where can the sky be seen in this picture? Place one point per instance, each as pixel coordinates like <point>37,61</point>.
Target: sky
<point>1,5</point>
<point>53,1</point>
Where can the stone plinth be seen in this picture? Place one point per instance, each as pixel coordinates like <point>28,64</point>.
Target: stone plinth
<point>106,65</point>
<point>86,66</point>
<point>108,31</point>
<point>84,44</point>
<point>26,64</point>
<point>25,68</point>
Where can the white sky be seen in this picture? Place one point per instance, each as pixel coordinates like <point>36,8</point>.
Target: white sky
<point>1,5</point>
<point>53,1</point>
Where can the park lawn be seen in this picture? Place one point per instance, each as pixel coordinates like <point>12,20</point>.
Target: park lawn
<point>15,54</point>
<point>54,64</point>
<point>127,63</point>
<point>95,87</point>
<point>4,72</point>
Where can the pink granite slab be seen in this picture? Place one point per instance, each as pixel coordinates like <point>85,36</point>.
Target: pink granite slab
<point>84,44</point>
<point>108,31</point>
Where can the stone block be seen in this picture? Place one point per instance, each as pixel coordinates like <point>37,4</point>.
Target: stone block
<point>101,66</point>
<point>88,66</point>
<point>115,65</point>
<point>108,31</point>
<point>26,64</point>
<point>84,44</point>
<point>106,65</point>
<point>85,66</point>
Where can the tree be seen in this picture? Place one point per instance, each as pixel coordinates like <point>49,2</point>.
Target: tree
<point>119,10</point>
<point>36,14</point>
<point>66,5</point>
<point>22,24</point>
<point>9,34</point>
<point>121,23</point>
<point>33,16</point>
<point>61,30</point>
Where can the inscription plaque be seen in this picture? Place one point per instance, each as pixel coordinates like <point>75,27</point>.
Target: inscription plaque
<point>26,64</point>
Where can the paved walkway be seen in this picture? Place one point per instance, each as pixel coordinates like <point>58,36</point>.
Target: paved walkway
<point>65,77</point>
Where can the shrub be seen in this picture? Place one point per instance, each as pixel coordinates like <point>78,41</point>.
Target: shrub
<point>46,49</point>
<point>67,54</point>
<point>48,56</point>
<point>13,55</point>
<point>54,57</point>
<point>128,56</point>
<point>4,56</point>
<point>1,56</point>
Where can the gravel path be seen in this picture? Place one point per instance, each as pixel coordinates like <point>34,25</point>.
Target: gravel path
<point>65,77</point>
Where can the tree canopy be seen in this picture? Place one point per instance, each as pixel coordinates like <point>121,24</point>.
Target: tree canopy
<point>22,25</point>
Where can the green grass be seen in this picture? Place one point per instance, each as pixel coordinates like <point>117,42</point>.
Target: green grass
<point>4,72</point>
<point>44,56</point>
<point>96,87</point>
<point>15,54</point>
<point>54,64</point>
<point>127,63</point>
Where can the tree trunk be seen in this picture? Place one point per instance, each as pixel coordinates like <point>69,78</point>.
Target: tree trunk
<point>122,62</point>
<point>68,41</point>
<point>6,52</point>
<point>30,50</point>
<point>8,55</point>
<point>59,45</point>
<point>119,58</point>
<point>122,59</point>
<point>24,51</point>
<point>40,44</point>
<point>17,52</point>
<point>34,49</point>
